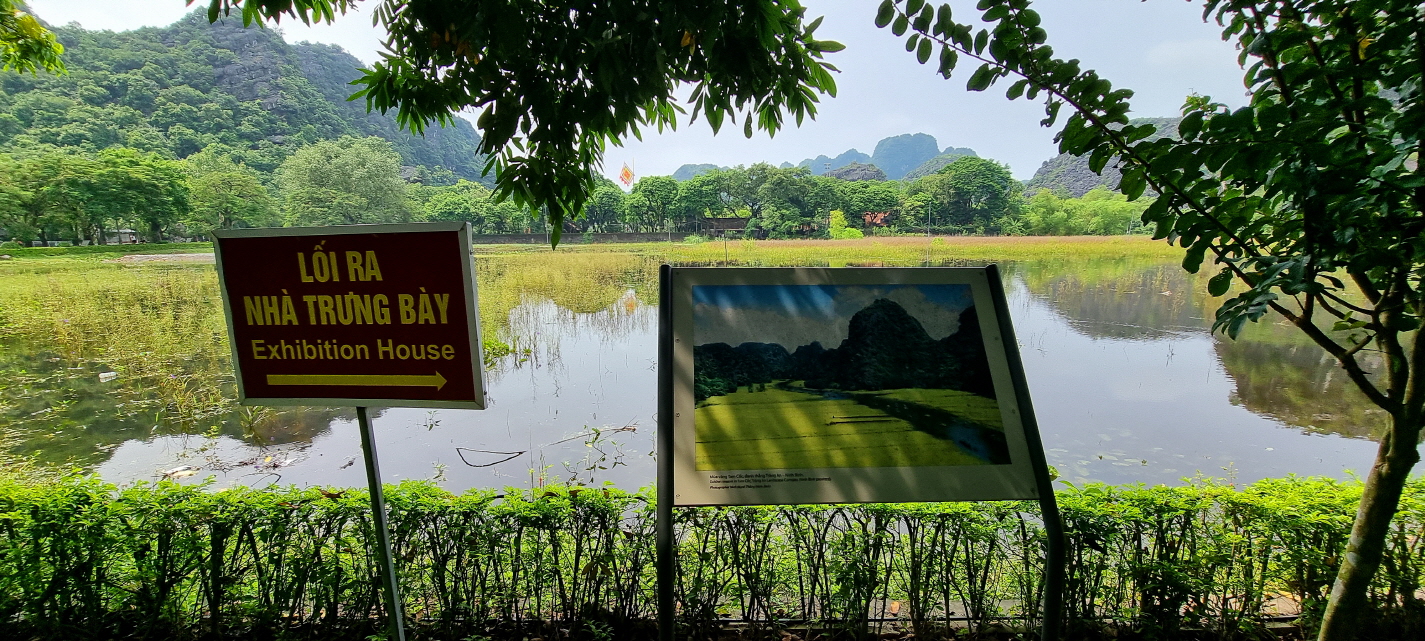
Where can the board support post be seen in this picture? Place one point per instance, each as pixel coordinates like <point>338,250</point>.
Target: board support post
<point>667,600</point>
<point>1048,506</point>
<point>382,528</point>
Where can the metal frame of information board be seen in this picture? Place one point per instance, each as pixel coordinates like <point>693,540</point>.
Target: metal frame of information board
<point>665,559</point>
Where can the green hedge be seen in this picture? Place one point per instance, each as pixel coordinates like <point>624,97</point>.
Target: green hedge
<point>83,559</point>
<point>84,250</point>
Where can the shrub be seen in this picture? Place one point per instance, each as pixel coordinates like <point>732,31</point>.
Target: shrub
<point>837,228</point>
<point>80,558</point>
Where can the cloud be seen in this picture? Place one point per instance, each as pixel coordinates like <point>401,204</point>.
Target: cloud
<point>1185,54</point>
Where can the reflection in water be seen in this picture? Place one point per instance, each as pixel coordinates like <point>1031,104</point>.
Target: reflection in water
<point>1300,385</point>
<point>1277,371</point>
<point>1127,381</point>
<point>580,407</point>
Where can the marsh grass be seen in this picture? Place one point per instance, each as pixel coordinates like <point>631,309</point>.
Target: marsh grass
<point>68,315</point>
<point>159,327</point>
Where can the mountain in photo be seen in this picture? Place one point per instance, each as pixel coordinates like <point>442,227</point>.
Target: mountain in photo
<point>885,348</point>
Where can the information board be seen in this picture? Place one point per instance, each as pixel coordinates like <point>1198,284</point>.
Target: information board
<point>811,385</point>
<point>366,315</point>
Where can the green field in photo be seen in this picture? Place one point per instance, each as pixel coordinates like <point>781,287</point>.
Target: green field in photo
<point>973,408</point>
<point>780,429</point>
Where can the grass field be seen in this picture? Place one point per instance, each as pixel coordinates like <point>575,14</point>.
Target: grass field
<point>779,429</point>
<point>976,409</point>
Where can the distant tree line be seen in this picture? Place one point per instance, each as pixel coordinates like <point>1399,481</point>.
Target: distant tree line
<point>66,194</point>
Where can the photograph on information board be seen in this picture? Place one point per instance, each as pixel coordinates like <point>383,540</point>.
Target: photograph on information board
<point>804,376</point>
<point>869,384</point>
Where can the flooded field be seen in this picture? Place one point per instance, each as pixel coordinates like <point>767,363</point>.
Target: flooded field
<point>121,369</point>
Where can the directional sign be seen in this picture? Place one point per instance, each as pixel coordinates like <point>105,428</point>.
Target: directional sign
<point>382,315</point>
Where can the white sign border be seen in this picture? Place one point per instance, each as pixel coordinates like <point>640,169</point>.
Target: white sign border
<point>1016,480</point>
<point>472,311</point>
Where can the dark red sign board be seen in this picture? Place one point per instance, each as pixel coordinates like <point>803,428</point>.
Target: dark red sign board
<point>381,315</point>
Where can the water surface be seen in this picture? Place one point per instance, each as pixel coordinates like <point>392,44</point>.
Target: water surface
<point>1128,383</point>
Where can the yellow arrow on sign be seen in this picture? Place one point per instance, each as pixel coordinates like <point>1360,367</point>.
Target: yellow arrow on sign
<point>368,380</point>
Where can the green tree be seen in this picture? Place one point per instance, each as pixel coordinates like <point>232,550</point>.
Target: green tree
<point>978,194</point>
<point>604,212</point>
<point>463,201</point>
<point>225,194</point>
<point>222,200</point>
<point>347,181</point>
<point>528,69</point>
<point>1098,213</point>
<point>148,191</point>
<point>62,195</point>
<point>872,197</point>
<point>23,210</point>
<point>25,45</point>
<point>837,229</point>
<point>652,202</point>
<point>699,197</point>
<point>1311,198</point>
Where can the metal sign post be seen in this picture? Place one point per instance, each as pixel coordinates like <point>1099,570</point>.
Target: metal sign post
<point>383,530</point>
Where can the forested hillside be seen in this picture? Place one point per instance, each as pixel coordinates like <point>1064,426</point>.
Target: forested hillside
<point>169,133</point>
<point>179,89</point>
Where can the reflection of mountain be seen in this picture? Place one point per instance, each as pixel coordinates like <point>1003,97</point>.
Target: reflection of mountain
<point>885,348</point>
<point>1121,299</point>
<point>1276,370</point>
<point>1299,384</point>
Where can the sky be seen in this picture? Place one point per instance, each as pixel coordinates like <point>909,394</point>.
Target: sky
<point>1161,49</point>
<point>796,315</point>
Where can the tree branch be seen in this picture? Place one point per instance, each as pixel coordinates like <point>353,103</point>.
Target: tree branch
<point>1346,357</point>
<point>1368,288</point>
<point>1269,56</point>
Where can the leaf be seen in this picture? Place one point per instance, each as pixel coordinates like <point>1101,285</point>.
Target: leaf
<point>913,6</point>
<point>911,41</point>
<point>1017,89</point>
<point>922,21</point>
<point>1133,183</point>
<point>981,79</point>
<point>1219,284</point>
<point>900,25</point>
<point>1190,126</point>
<point>885,13</point>
<point>1192,260</point>
<point>923,54</point>
<point>948,58</point>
